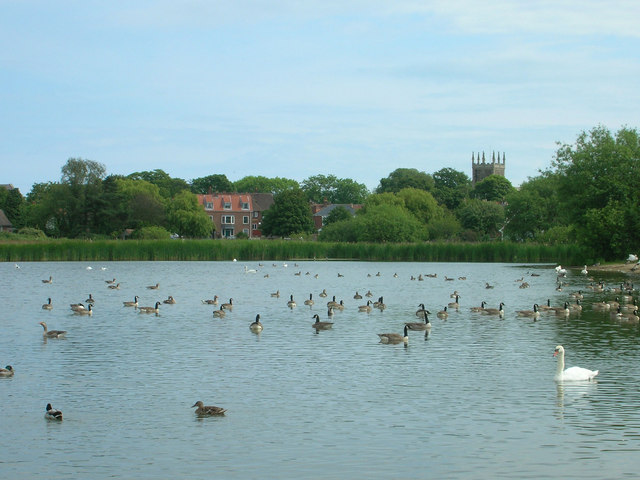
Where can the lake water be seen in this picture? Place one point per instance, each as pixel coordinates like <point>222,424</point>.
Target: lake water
<point>473,399</point>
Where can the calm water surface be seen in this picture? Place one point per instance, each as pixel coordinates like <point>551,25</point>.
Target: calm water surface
<point>473,399</point>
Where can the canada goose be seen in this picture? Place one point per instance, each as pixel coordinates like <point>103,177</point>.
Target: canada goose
<point>629,307</point>
<point>256,327</point>
<point>7,371</point>
<point>114,287</point>
<point>310,300</point>
<point>170,300</point>
<point>220,313</point>
<point>77,306</point>
<point>602,306</point>
<point>421,278</point>
<point>576,307</point>
<point>48,305</point>
<point>339,305</point>
<point>213,301</point>
<point>52,414</point>
<point>48,281</point>
<point>332,303</point>
<point>480,308</point>
<point>131,304</point>
<point>368,294</point>
<point>614,303</point>
<point>443,313</point>
<point>454,294</point>
<point>52,333</point>
<point>545,307</point>
<point>110,281</point>
<point>323,294</point>
<point>276,294</point>
<point>380,304</point>
<point>630,317</point>
<point>228,305</point>
<point>291,303</point>
<point>330,312</point>
<point>298,273</point>
<point>318,325</point>
<point>340,275</point>
<point>487,285</point>
<point>90,299</point>
<point>357,296</point>
<point>577,294</point>
<point>422,312</point>
<point>154,287</point>
<point>494,311</point>
<point>394,338</point>
<point>84,311</point>
<point>562,311</point>
<point>365,308</point>
<point>395,275</point>
<point>204,411</point>
<point>420,326</point>
<point>155,309</point>
<point>455,304</point>
<point>529,313</point>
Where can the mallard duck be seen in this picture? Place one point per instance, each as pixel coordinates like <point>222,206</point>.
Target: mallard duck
<point>228,305</point>
<point>114,287</point>
<point>6,371</point>
<point>256,327</point>
<point>365,308</point>
<point>170,300</point>
<point>357,296</point>
<point>213,301</point>
<point>318,325</point>
<point>52,414</point>
<point>310,300</point>
<point>422,312</point>
<point>480,308</point>
<point>393,338</point>
<point>84,311</point>
<point>154,287</point>
<point>48,305</point>
<point>204,410</point>
<point>494,311</point>
<point>443,313</point>
<point>220,313</point>
<point>323,294</point>
<point>529,313</point>
<point>276,294</point>
<point>52,333</point>
<point>48,281</point>
<point>420,326</point>
<point>155,309</point>
<point>90,299</point>
<point>131,304</point>
<point>291,303</point>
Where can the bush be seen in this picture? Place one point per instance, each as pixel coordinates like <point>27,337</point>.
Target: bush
<point>151,233</point>
<point>32,232</point>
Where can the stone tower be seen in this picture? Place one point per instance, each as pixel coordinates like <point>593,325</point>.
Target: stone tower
<point>481,169</point>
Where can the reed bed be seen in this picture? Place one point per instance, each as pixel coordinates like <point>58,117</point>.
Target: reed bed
<point>217,250</point>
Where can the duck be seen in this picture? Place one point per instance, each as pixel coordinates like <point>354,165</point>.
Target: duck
<point>394,338</point>
<point>109,282</point>
<point>443,313</point>
<point>571,374</point>
<point>84,311</point>
<point>52,414</point>
<point>170,300</point>
<point>529,313</point>
<point>114,287</point>
<point>90,299</point>
<point>52,333</point>
<point>318,325</point>
<point>211,301</point>
<point>488,286</point>
<point>220,313</point>
<point>310,300</point>
<point>155,309</point>
<point>131,304</point>
<point>365,308</point>
<point>455,304</point>
<point>7,371</point>
<point>419,326</point>
<point>480,308</point>
<point>495,311</point>
<point>154,287</point>
<point>291,303</point>
<point>357,296</point>
<point>228,305</point>
<point>206,410</point>
<point>276,294</point>
<point>323,294</point>
<point>50,280</point>
<point>256,326</point>
<point>48,305</point>
<point>422,312</point>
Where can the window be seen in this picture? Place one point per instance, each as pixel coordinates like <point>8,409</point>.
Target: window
<point>256,214</point>
<point>227,205</point>
<point>254,226</point>
<point>245,220</point>
<point>228,219</point>
<point>209,206</point>
<point>246,231</point>
<point>245,205</point>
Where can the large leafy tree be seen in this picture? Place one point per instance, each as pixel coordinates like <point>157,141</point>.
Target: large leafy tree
<point>289,214</point>
<point>338,214</point>
<point>144,203</point>
<point>260,184</point>
<point>12,204</point>
<point>493,188</point>
<point>485,218</point>
<point>215,183</point>
<point>421,204</point>
<point>334,190</point>
<point>167,186</point>
<point>406,178</point>
<point>451,187</point>
<point>186,217</point>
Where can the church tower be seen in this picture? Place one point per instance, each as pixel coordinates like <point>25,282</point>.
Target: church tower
<point>481,169</point>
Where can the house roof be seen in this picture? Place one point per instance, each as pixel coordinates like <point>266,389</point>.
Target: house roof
<point>220,199</point>
<point>4,221</point>
<point>350,207</point>
<point>262,201</point>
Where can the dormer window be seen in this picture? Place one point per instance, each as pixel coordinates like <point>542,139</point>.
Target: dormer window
<point>209,206</point>
<point>245,205</point>
<point>227,205</point>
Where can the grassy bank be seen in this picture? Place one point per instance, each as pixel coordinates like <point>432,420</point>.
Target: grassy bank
<point>246,250</point>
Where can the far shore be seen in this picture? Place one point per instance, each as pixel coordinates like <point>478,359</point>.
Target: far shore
<point>631,267</point>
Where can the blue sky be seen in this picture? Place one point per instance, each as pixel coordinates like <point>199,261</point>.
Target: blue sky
<point>290,88</point>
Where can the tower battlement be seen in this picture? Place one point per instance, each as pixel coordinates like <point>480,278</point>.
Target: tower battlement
<point>481,169</point>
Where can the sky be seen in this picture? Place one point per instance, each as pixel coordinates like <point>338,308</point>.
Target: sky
<point>290,88</point>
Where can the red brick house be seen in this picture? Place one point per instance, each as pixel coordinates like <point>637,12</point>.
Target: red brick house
<point>233,213</point>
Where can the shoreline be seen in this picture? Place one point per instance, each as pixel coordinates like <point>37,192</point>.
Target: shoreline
<point>630,268</point>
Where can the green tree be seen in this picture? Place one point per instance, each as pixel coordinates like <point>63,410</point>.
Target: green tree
<point>421,204</point>
<point>485,218</point>
<point>381,199</point>
<point>12,204</point>
<point>338,214</point>
<point>406,178</point>
<point>451,187</point>
<point>78,171</point>
<point>333,189</point>
<point>260,184</point>
<point>493,188</point>
<point>167,186</point>
<point>145,205</point>
<point>187,218</point>
<point>289,214</point>
<point>217,183</point>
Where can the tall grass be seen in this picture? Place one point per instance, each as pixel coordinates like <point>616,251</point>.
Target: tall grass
<point>212,250</point>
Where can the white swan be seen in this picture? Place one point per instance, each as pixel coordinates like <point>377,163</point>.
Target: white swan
<point>250,270</point>
<point>573,374</point>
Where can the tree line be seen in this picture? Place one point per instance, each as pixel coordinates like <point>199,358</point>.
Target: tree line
<point>587,196</point>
